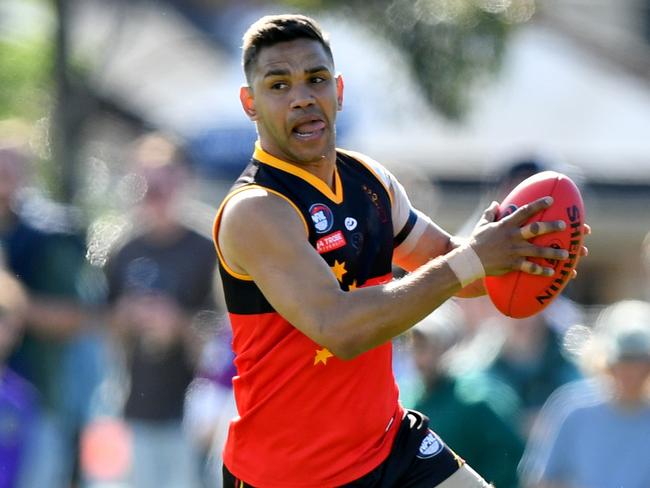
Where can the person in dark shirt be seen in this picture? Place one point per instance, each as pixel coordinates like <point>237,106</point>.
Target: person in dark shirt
<point>158,280</point>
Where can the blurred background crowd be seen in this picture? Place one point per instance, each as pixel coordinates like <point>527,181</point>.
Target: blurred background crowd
<point>121,131</point>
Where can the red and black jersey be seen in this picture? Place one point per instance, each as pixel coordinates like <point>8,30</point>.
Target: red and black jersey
<point>307,418</point>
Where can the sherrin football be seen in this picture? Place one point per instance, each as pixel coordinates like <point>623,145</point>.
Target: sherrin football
<point>518,294</point>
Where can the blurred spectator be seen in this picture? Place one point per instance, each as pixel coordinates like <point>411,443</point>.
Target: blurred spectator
<point>596,433</point>
<point>531,360</point>
<point>46,252</point>
<point>18,398</point>
<point>158,281</point>
<point>473,412</point>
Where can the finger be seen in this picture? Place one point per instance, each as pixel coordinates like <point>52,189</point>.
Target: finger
<point>584,251</point>
<point>586,229</point>
<point>574,274</point>
<point>544,253</point>
<point>535,229</point>
<point>490,213</point>
<point>525,212</point>
<point>534,268</point>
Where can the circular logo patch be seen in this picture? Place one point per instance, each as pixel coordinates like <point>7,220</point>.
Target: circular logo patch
<point>430,446</point>
<point>322,217</point>
<point>350,223</point>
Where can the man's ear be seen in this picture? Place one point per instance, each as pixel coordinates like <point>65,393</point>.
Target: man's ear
<point>339,91</point>
<point>248,102</point>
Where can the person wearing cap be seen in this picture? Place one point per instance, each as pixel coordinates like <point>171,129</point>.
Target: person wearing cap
<point>474,412</point>
<point>596,433</point>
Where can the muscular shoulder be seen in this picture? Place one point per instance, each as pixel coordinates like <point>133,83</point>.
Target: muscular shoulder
<point>257,206</point>
<point>253,219</point>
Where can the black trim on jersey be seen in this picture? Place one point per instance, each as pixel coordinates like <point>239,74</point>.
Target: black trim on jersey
<point>406,230</point>
<point>243,297</point>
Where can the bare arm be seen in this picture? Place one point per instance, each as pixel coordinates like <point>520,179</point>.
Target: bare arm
<point>434,242</point>
<point>262,236</point>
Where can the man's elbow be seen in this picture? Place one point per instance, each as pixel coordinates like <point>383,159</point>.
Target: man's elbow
<point>344,351</point>
<point>335,331</point>
<point>336,337</point>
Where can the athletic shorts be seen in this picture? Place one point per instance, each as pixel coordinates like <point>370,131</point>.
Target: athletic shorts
<point>418,459</point>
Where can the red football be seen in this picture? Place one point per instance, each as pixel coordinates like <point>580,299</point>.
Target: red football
<point>518,294</point>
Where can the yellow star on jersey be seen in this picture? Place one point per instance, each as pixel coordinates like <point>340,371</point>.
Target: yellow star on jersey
<point>353,286</point>
<point>322,355</point>
<point>339,270</point>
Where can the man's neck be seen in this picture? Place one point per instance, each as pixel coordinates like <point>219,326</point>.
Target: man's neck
<point>164,233</point>
<point>323,168</point>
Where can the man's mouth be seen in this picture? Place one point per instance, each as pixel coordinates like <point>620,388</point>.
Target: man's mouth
<point>307,130</point>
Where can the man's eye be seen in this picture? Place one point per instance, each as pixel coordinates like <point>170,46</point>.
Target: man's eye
<point>279,85</point>
<point>317,79</point>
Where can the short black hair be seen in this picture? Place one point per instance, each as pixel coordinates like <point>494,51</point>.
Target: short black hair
<point>274,29</point>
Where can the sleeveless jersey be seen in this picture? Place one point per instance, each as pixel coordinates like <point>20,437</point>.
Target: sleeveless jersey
<point>307,418</point>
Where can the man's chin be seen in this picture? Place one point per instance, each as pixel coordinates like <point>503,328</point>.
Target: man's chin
<point>310,153</point>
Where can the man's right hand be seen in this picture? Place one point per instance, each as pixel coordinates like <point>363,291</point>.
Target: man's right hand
<point>503,245</point>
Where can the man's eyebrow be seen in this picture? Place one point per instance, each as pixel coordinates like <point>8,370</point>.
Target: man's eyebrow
<point>276,72</point>
<point>285,72</point>
<point>317,69</point>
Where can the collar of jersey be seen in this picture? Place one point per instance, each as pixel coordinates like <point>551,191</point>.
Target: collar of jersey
<point>335,196</point>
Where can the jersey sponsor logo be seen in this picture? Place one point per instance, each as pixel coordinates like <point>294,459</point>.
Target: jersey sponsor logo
<point>430,446</point>
<point>330,242</point>
<point>350,223</point>
<point>322,217</point>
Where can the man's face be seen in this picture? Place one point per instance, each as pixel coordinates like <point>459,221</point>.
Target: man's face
<point>293,97</point>
<point>631,377</point>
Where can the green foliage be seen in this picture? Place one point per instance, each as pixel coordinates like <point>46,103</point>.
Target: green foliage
<point>25,68</point>
<point>450,45</point>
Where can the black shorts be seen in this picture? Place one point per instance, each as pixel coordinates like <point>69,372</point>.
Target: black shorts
<point>418,459</point>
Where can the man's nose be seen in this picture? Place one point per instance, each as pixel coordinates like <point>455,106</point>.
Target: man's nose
<point>302,97</point>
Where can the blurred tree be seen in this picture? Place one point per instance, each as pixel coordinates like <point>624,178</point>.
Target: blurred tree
<point>25,69</point>
<point>450,44</point>
<point>27,89</point>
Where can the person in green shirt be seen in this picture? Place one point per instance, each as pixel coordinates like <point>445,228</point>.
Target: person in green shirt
<point>474,412</point>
